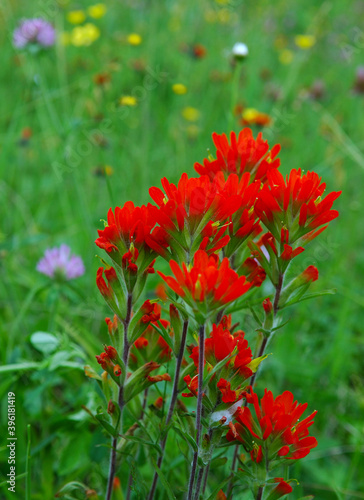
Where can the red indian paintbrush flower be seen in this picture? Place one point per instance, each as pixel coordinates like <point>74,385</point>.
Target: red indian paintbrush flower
<point>219,345</point>
<point>295,205</point>
<point>131,233</point>
<point>243,154</point>
<point>194,211</point>
<point>275,426</point>
<point>208,284</point>
<point>111,291</point>
<point>151,345</point>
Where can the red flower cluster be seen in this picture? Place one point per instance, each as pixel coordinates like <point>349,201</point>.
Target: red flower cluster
<point>109,361</point>
<point>295,205</point>
<point>243,154</point>
<point>151,345</point>
<point>220,345</point>
<point>276,420</point>
<point>208,284</point>
<point>131,225</point>
<point>195,209</point>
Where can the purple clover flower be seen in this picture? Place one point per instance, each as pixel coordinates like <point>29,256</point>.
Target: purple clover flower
<point>34,31</point>
<point>59,263</point>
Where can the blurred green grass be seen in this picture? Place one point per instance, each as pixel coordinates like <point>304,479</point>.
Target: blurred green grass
<point>46,200</point>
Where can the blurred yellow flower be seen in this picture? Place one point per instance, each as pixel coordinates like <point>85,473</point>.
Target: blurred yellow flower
<point>305,41</point>
<point>108,170</point>
<point>251,116</point>
<point>134,39</point>
<point>97,11</point>
<point>128,100</point>
<point>190,114</point>
<point>224,16</point>
<point>76,16</point>
<point>179,88</point>
<point>286,56</point>
<point>84,35</point>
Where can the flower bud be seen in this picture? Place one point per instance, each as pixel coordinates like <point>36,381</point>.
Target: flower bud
<point>269,314</point>
<point>240,51</point>
<point>302,282</point>
<point>177,326</point>
<point>111,352</point>
<point>110,407</point>
<point>283,488</point>
<point>117,370</point>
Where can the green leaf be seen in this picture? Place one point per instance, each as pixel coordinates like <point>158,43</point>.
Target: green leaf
<point>189,439</point>
<point>167,486</point>
<point>69,487</point>
<point>104,420</point>
<point>20,366</point>
<point>149,444</point>
<point>44,342</point>
<point>216,490</point>
<point>296,300</point>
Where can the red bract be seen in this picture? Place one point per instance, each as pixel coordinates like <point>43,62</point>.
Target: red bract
<point>275,421</point>
<point>194,209</point>
<point>228,395</point>
<point>150,344</point>
<point>221,345</point>
<point>243,154</point>
<point>192,384</point>
<point>283,488</point>
<point>295,204</point>
<point>208,284</point>
<point>130,225</point>
<point>110,274</point>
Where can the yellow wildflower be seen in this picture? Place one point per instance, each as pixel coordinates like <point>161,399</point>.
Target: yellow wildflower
<point>305,41</point>
<point>286,56</point>
<point>97,11</point>
<point>251,116</point>
<point>84,35</point>
<point>108,170</point>
<point>134,39</point>
<point>128,100</point>
<point>76,16</point>
<point>179,88</point>
<point>190,114</point>
<point>224,16</point>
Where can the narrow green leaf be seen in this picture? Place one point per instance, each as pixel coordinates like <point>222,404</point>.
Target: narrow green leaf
<point>184,435</point>
<point>163,479</point>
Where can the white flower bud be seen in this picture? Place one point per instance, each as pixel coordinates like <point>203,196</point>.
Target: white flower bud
<point>240,50</point>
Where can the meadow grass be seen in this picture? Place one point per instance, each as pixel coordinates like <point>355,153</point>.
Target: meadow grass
<point>51,192</point>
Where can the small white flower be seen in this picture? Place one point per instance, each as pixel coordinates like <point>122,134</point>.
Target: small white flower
<point>240,50</point>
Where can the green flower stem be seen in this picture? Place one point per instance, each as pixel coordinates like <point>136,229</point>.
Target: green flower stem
<point>262,348</point>
<point>171,405</point>
<point>234,93</point>
<point>201,358</point>
<point>121,402</point>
